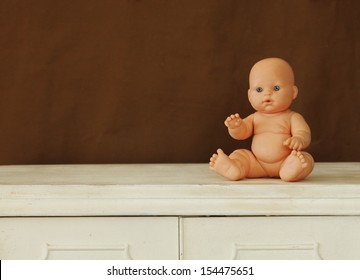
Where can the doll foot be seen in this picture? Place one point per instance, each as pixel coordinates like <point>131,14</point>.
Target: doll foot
<point>225,166</point>
<point>295,167</point>
<point>220,162</point>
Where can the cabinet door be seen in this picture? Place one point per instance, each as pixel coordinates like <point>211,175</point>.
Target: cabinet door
<point>270,238</point>
<point>89,238</point>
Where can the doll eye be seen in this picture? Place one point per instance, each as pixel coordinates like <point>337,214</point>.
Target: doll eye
<point>276,88</point>
<point>259,89</point>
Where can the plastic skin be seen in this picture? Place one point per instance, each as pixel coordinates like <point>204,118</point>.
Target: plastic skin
<point>279,134</point>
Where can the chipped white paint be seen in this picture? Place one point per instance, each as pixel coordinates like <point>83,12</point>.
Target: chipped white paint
<point>264,218</point>
<point>172,189</point>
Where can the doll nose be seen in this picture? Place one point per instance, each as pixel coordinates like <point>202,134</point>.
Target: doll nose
<point>268,92</point>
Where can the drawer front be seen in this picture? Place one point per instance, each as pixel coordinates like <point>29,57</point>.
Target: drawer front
<point>270,238</point>
<point>89,238</point>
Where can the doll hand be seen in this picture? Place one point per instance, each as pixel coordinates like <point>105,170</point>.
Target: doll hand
<point>233,121</point>
<point>294,143</point>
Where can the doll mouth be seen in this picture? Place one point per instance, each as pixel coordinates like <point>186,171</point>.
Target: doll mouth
<point>267,102</point>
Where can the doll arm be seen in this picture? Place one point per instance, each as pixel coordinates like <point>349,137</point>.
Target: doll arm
<point>300,131</point>
<point>239,129</point>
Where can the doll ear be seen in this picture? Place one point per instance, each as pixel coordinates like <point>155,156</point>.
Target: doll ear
<point>296,91</point>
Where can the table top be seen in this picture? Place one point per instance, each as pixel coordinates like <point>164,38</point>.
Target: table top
<point>172,189</point>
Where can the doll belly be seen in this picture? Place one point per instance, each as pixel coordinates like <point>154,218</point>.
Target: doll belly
<point>269,148</point>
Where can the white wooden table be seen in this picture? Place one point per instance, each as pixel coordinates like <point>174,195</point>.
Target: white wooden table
<point>171,211</point>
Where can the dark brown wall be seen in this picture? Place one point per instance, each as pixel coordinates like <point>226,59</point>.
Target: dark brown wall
<point>100,81</point>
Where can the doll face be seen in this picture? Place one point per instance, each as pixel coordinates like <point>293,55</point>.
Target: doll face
<point>272,88</point>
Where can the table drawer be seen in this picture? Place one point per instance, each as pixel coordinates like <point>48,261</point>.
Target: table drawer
<point>271,238</point>
<point>89,238</point>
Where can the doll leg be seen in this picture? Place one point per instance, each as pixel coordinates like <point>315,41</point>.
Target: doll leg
<point>236,166</point>
<point>296,166</point>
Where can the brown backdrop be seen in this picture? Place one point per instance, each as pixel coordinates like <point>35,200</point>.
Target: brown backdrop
<point>121,81</point>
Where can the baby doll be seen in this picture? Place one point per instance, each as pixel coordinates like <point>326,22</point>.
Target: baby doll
<point>279,134</point>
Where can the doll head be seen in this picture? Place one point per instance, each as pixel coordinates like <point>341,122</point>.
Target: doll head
<point>271,86</point>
